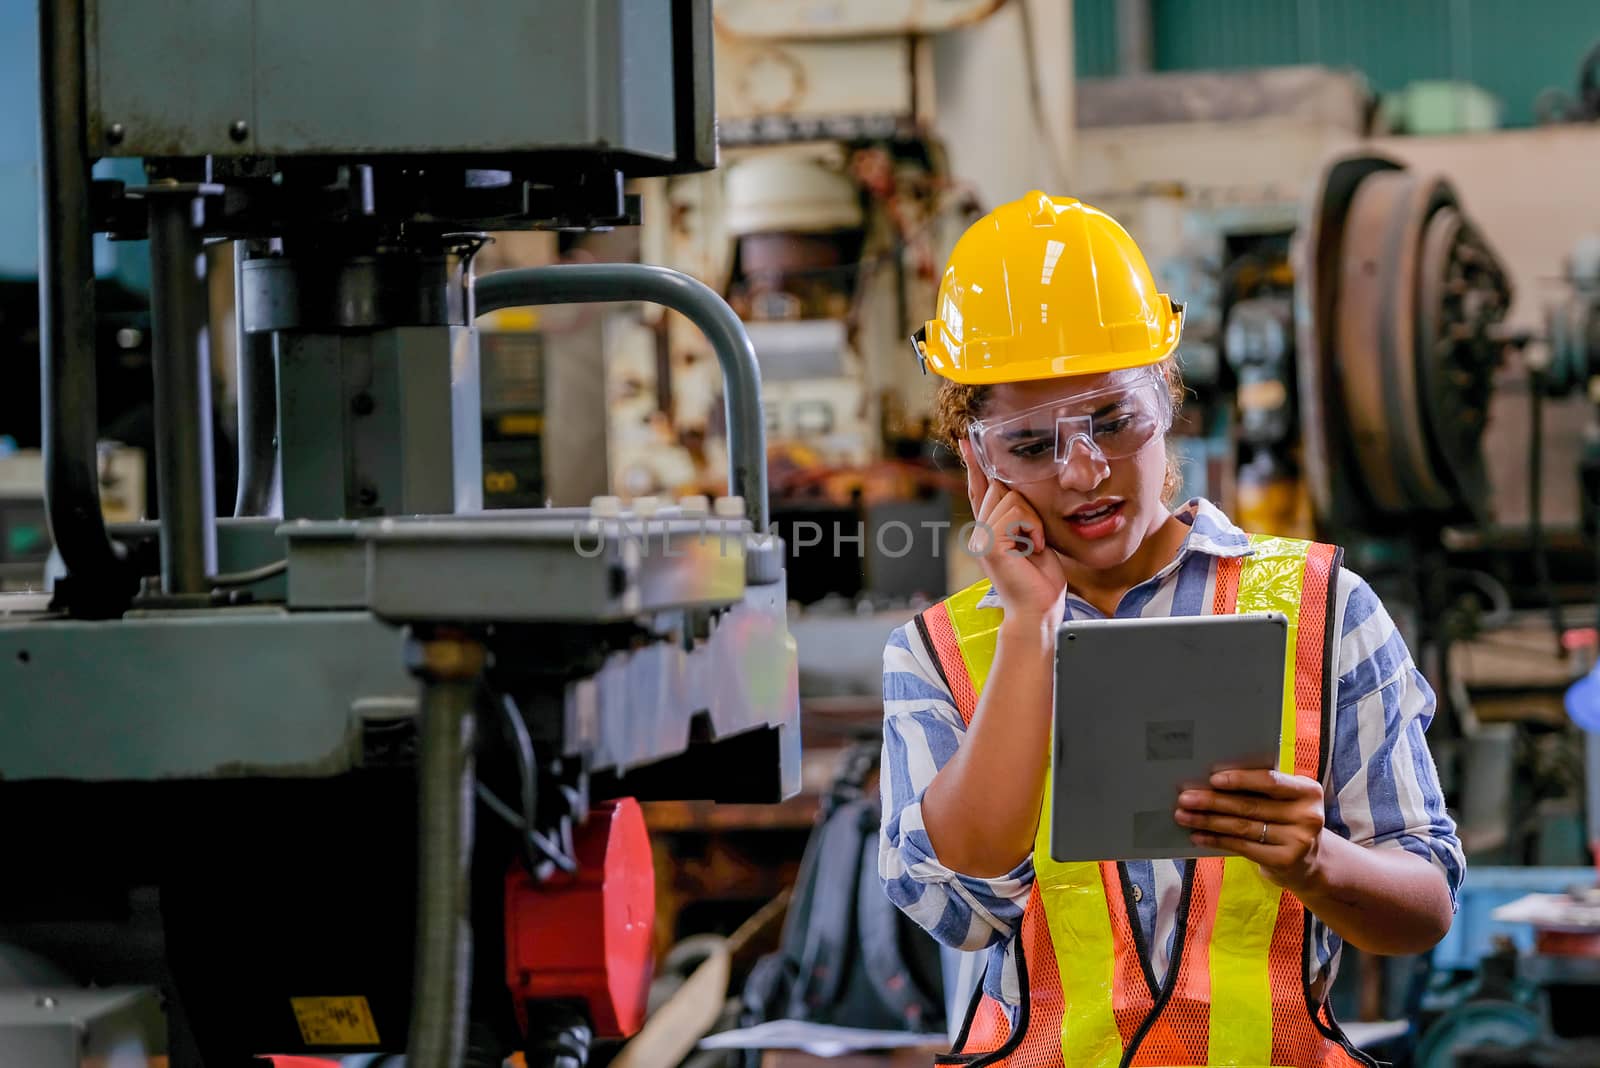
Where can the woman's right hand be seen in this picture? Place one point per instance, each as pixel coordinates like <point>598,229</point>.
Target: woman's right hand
<point>1010,545</point>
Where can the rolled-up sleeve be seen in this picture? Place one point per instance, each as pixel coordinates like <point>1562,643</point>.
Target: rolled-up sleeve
<point>921,732</point>
<point>1383,787</point>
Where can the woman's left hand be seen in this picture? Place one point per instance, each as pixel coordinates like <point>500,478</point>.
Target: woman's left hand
<point>1266,816</point>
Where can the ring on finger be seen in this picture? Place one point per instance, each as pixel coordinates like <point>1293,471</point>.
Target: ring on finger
<point>1263,839</point>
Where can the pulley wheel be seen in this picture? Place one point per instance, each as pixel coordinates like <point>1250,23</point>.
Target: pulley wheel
<point>1462,294</point>
<point>1377,343</point>
<point>1331,479</point>
<point>1397,358</point>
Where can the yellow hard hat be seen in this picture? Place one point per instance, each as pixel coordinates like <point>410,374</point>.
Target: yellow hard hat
<point>1046,287</point>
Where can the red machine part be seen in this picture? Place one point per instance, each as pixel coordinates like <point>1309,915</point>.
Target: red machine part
<point>1549,942</point>
<point>586,936</point>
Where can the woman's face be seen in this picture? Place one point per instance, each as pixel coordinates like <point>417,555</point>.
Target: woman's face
<point>1097,509</point>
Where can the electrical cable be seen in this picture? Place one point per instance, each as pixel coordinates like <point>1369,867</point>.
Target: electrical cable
<point>250,577</point>
<point>1058,166</point>
<point>1494,591</point>
<point>499,807</point>
<point>549,854</point>
<point>534,842</point>
<point>527,767</point>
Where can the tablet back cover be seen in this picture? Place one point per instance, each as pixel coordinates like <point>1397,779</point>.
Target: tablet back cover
<point>1145,707</point>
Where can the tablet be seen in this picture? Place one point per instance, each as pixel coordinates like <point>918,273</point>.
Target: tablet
<point>1147,707</point>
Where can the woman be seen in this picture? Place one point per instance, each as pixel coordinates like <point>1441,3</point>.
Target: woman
<point>1057,355</point>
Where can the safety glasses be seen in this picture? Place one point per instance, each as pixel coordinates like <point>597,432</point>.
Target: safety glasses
<point>1109,423</point>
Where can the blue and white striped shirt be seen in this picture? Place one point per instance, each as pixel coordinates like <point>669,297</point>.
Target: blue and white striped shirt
<point>1381,790</point>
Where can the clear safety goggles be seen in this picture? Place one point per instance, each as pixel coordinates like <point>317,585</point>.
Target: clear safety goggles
<point>1107,424</point>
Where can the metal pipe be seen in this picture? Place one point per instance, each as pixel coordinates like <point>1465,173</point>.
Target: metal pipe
<point>260,489</point>
<point>185,489</point>
<point>1133,37</point>
<point>601,282</point>
<point>67,403</point>
<point>442,972</point>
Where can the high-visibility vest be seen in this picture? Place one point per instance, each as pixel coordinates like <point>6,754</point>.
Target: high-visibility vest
<point>1236,990</point>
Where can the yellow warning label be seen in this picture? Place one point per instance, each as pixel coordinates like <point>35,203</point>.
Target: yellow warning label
<point>514,319</point>
<point>522,424</point>
<point>335,1021</point>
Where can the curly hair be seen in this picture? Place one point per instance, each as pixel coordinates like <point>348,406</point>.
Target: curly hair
<point>957,406</point>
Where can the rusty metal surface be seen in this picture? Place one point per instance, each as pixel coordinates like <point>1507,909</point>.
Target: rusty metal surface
<point>1363,281</point>
<point>1460,292</point>
<point>1310,94</point>
<point>1324,454</point>
<point>1439,239</point>
<point>1378,342</point>
<point>1398,298</point>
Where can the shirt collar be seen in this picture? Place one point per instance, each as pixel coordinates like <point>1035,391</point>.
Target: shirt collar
<point>1211,532</point>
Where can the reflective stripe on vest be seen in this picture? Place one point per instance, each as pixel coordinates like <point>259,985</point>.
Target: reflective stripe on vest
<point>1236,991</point>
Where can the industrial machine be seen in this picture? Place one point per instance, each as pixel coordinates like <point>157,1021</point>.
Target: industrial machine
<point>1524,984</point>
<point>826,229</point>
<point>354,770</point>
<point>1573,365</point>
<point>1397,355</point>
<point>1343,313</point>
